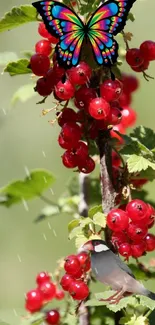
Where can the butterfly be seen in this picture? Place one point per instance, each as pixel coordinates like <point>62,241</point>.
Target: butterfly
<point>106,22</point>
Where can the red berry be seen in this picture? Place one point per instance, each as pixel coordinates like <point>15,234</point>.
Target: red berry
<point>80,74</point>
<point>78,274</point>
<point>119,128</point>
<point>137,250</point>
<point>115,116</point>
<point>125,250</point>
<point>44,33</point>
<point>116,161</point>
<point>150,242</point>
<point>64,144</point>
<point>48,290</point>
<point>43,87</point>
<point>34,300</point>
<point>72,264</point>
<point>134,57</point>
<point>64,91</point>
<point>60,295</point>
<point>137,210</point>
<point>129,117</point>
<point>67,115</point>
<point>58,71</point>
<point>151,224</point>
<point>139,182</point>
<point>52,317</point>
<point>117,220</point>
<point>125,99</point>
<point>136,232</point>
<point>84,260</point>
<point>144,66</point>
<point>42,277</point>
<point>147,50</point>
<point>111,90</point>
<point>81,151</point>
<point>39,64</point>
<point>150,216</point>
<point>118,238</point>
<point>83,96</point>
<point>130,83</point>
<point>79,290</point>
<point>43,47</point>
<point>71,132</point>
<point>86,167</point>
<point>69,159</point>
<point>99,108</point>
<point>66,280</point>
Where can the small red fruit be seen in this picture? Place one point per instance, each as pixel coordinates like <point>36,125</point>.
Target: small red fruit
<point>136,232</point>
<point>111,90</point>
<point>80,74</point>
<point>52,317</point>
<point>84,260</point>
<point>99,108</point>
<point>137,250</point>
<point>150,242</point>
<point>79,290</point>
<point>65,282</point>
<point>69,159</point>
<point>117,220</point>
<point>64,91</point>
<point>43,47</point>
<point>72,264</point>
<point>88,166</point>
<point>60,295</point>
<point>129,117</point>
<point>39,64</point>
<point>125,250</point>
<point>71,132</point>
<point>137,210</point>
<point>130,83</point>
<point>34,301</point>
<point>147,49</point>
<point>134,57</point>
<point>42,277</point>
<point>48,290</point>
<point>67,115</point>
<point>118,238</point>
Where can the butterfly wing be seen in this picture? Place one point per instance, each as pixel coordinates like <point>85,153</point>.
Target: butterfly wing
<point>108,20</point>
<point>64,24</point>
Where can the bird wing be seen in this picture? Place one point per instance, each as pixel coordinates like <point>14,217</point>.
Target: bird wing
<point>123,266</point>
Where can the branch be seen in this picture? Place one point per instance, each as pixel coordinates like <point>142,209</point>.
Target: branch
<point>83,311</point>
<point>107,188</point>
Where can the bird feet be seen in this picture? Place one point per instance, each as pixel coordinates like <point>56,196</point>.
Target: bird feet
<point>114,299</point>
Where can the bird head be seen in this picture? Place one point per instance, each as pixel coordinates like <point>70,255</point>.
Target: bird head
<point>95,245</point>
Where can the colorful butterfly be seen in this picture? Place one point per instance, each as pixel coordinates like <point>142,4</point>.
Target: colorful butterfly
<point>107,21</point>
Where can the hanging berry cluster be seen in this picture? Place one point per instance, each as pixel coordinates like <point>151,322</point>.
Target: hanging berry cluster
<point>130,228</point>
<point>45,292</point>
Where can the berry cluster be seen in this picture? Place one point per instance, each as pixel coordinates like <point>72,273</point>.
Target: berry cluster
<point>139,59</point>
<point>45,292</point>
<point>98,106</point>
<point>130,224</point>
<point>74,281</point>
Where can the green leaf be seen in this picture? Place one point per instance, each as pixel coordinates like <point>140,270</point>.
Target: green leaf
<point>82,239</point>
<point>85,221</point>
<point>134,320</point>
<point>24,93</point>
<point>145,135</point>
<point>33,185</point>
<point>73,224</point>
<point>147,302</point>
<point>94,210</point>
<point>137,163</point>
<point>115,308</point>
<point>6,57</point>
<point>18,16</point>
<point>18,67</point>
<point>76,232</point>
<point>48,211</point>
<point>99,219</point>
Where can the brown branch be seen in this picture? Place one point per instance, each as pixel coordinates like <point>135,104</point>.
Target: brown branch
<point>82,310</point>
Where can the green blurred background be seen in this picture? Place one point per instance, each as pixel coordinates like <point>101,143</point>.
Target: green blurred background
<point>27,140</point>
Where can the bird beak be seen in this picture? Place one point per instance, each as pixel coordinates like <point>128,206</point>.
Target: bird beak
<point>86,247</point>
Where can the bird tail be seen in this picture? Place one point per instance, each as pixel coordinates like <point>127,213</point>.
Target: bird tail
<point>150,294</point>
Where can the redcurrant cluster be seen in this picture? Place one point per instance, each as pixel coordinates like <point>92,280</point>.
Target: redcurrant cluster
<point>74,281</point>
<point>97,107</point>
<point>130,224</point>
<point>45,292</point>
<point>139,59</point>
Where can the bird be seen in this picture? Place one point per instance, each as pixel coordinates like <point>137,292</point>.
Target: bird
<point>109,269</point>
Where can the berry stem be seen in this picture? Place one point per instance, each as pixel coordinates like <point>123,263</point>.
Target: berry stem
<point>46,200</point>
<point>107,189</point>
<point>125,41</point>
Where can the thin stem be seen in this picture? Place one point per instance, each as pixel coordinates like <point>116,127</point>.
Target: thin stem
<point>125,41</point>
<point>46,200</point>
<point>122,160</point>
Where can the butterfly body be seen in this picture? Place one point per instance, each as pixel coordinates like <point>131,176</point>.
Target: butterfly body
<point>107,21</point>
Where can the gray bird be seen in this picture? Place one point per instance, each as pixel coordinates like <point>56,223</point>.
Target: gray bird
<point>109,269</point>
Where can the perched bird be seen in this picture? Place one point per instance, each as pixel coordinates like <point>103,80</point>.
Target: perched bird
<point>109,269</point>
